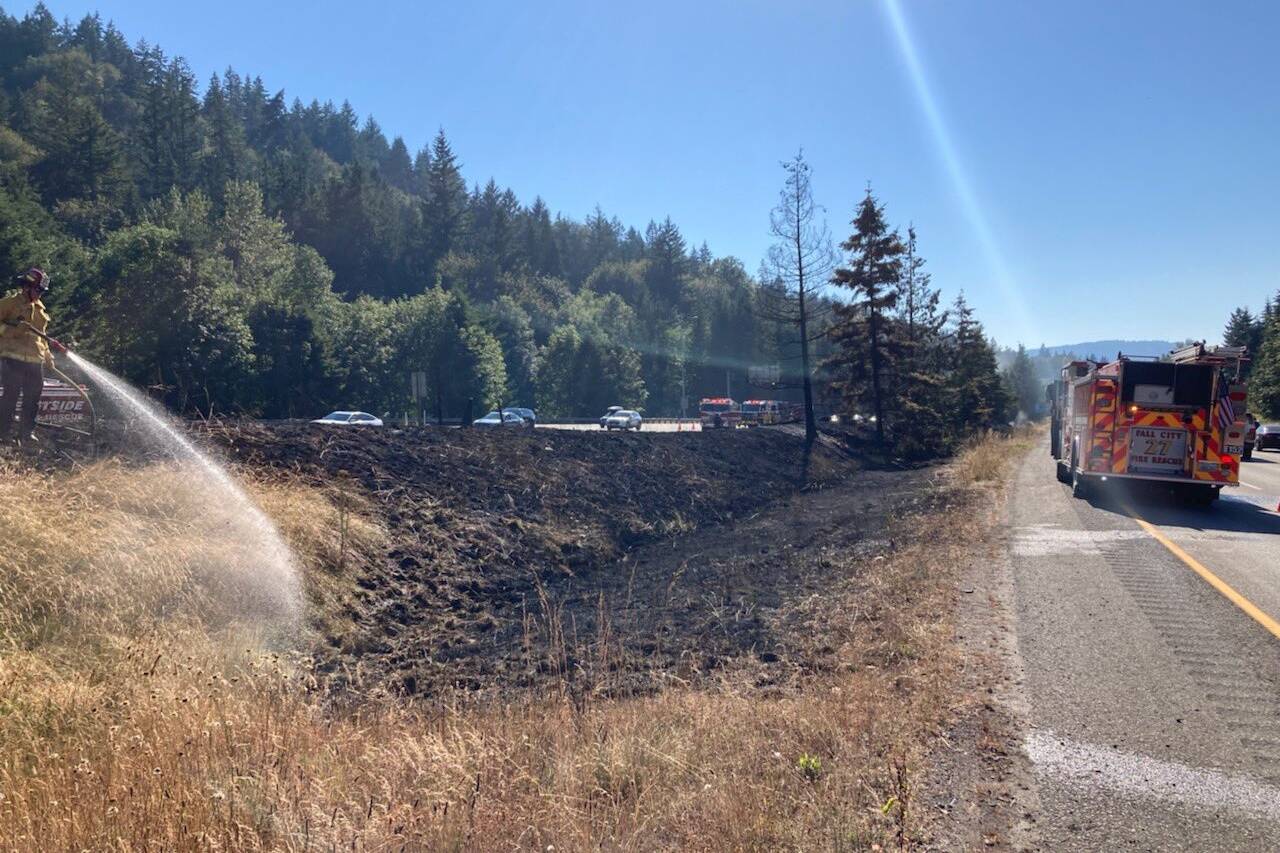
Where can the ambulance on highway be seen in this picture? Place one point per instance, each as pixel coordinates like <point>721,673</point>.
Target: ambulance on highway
<point>1178,420</point>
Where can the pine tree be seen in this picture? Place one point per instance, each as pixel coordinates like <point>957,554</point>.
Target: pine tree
<point>864,330</point>
<point>445,206</point>
<point>921,427</point>
<point>540,249</point>
<point>398,169</point>
<point>83,155</point>
<point>226,156</point>
<point>665,251</point>
<point>371,144</point>
<point>421,171</point>
<point>602,236</point>
<point>979,399</point>
<point>1239,328</point>
<point>1264,378</point>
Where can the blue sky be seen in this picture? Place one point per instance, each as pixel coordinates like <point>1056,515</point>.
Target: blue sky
<point>1086,170</point>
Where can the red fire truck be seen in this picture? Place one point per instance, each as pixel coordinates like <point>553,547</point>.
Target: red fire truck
<point>718,412</point>
<point>1178,420</point>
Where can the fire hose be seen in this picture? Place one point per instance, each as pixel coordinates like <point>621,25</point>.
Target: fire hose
<point>59,346</point>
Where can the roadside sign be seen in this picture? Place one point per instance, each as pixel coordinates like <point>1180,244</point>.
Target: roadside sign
<point>418,384</point>
<point>768,374</point>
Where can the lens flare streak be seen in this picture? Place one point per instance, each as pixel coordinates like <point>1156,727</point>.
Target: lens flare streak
<point>946,150</point>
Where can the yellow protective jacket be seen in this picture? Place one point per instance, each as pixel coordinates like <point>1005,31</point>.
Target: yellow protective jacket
<point>17,342</point>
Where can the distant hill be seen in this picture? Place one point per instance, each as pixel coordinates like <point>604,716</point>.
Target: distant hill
<point>1108,349</point>
<point>1047,361</point>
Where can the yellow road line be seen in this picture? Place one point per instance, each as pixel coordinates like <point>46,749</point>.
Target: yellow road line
<point>1213,580</point>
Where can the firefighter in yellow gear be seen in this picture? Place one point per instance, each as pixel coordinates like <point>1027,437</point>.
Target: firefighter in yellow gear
<point>23,353</point>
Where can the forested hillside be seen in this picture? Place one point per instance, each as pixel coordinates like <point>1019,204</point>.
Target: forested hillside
<point>200,234</point>
<point>236,251</point>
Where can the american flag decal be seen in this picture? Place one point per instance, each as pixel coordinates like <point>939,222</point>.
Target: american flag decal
<point>1226,412</point>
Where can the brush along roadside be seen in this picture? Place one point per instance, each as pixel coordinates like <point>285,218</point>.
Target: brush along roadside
<point>158,735</point>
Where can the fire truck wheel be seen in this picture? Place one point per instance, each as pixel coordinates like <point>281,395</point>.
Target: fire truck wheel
<point>1079,485</point>
<point>1203,495</point>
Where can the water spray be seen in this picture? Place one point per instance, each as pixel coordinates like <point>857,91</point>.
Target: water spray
<point>269,583</point>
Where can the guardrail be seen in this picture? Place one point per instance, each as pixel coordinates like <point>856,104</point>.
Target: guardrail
<point>392,420</point>
<point>581,421</point>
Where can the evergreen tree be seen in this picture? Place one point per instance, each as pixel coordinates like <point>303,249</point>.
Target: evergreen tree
<point>864,328</point>
<point>445,206</point>
<point>664,248</point>
<point>1239,330</point>
<point>398,169</point>
<point>922,374</point>
<point>540,249</point>
<point>1264,379</point>
<point>226,156</point>
<point>1246,329</point>
<point>979,399</point>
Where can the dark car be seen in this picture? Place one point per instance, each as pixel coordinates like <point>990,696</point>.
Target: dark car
<point>1268,437</point>
<point>529,417</point>
<point>508,418</point>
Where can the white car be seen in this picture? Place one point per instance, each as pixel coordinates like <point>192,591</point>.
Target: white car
<point>623,419</point>
<point>349,419</point>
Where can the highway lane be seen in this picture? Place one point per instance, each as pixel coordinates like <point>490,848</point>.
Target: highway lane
<point>1153,700</point>
<point>1262,473</point>
<point>1237,540</point>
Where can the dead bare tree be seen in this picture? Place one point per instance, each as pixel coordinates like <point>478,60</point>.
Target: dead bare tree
<point>799,264</point>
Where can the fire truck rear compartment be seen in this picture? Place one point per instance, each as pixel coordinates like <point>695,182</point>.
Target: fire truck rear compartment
<point>1192,384</point>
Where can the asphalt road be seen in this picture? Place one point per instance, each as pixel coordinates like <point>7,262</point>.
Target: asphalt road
<point>1151,677</point>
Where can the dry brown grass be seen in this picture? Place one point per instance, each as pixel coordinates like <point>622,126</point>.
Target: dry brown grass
<point>986,458</point>
<point>130,720</point>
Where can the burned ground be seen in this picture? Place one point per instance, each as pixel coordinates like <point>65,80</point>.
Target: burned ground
<point>578,640</point>
<point>601,564</point>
